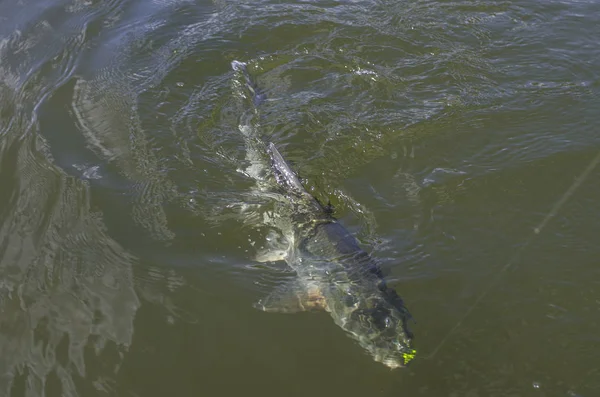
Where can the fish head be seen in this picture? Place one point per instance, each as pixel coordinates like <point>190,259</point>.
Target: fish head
<point>380,328</point>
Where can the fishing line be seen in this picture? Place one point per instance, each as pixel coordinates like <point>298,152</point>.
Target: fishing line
<point>536,231</point>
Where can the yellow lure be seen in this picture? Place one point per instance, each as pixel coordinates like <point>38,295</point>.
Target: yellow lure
<point>409,356</point>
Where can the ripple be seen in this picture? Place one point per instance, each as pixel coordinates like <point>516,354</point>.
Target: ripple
<point>441,132</point>
<point>107,118</point>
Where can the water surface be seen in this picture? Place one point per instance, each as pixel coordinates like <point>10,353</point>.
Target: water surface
<point>443,132</point>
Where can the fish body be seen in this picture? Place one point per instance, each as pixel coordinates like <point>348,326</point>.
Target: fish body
<point>333,273</point>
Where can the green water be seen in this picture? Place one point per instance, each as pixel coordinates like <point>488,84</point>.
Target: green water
<point>444,133</point>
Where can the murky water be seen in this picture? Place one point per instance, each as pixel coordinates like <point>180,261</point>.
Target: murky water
<point>444,133</point>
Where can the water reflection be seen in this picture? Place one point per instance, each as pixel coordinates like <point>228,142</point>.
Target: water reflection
<point>66,286</point>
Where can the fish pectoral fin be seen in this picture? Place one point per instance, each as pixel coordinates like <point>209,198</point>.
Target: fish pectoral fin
<point>271,256</point>
<point>275,249</point>
<point>292,297</point>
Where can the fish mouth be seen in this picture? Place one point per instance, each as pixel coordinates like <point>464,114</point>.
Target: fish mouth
<point>396,360</point>
<point>392,363</point>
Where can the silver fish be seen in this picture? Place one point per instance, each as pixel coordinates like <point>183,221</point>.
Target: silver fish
<point>333,273</point>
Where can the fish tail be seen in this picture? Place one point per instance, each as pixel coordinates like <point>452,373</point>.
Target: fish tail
<point>258,96</point>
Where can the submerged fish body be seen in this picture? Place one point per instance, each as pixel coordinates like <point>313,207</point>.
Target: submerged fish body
<point>333,273</point>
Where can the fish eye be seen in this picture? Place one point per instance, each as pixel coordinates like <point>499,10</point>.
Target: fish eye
<point>388,322</point>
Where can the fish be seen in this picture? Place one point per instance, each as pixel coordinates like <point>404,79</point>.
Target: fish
<point>332,272</point>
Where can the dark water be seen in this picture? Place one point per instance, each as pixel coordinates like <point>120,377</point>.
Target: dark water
<point>443,132</point>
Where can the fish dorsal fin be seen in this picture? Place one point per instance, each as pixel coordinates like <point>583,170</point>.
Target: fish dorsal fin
<point>283,173</point>
<point>292,297</point>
